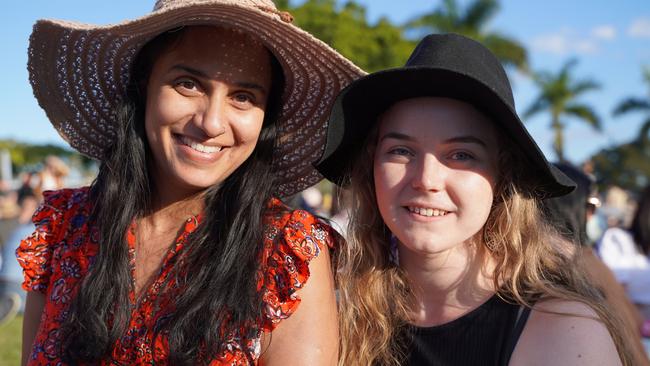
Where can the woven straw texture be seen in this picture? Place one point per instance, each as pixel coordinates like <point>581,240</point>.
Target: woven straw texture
<point>80,72</point>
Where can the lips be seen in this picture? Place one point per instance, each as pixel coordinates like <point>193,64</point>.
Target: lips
<point>197,146</point>
<point>426,211</point>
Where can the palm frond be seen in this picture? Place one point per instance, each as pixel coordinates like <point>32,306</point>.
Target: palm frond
<point>435,21</point>
<point>644,132</point>
<point>450,8</point>
<point>479,13</point>
<point>566,68</point>
<point>509,51</point>
<point>584,85</point>
<point>632,105</point>
<point>584,113</point>
<point>540,104</point>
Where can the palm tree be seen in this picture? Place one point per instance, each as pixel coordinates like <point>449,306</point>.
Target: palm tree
<point>634,104</point>
<point>471,22</point>
<point>558,97</point>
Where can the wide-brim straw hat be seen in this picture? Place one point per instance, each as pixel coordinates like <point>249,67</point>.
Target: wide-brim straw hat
<point>80,72</point>
<point>442,65</point>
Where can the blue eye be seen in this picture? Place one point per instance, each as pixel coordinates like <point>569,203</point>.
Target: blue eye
<point>400,151</point>
<point>461,156</point>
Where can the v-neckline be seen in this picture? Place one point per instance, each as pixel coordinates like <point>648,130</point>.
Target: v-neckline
<point>145,294</point>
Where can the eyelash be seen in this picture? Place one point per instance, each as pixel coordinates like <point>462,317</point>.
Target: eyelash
<point>183,83</point>
<point>402,151</point>
<point>250,99</point>
<point>467,155</point>
<point>192,85</point>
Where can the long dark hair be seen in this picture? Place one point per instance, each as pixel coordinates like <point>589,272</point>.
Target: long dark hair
<point>641,223</point>
<point>219,295</point>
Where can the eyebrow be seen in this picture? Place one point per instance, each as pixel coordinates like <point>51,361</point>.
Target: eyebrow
<point>458,139</point>
<point>201,74</point>
<point>397,135</point>
<point>467,140</point>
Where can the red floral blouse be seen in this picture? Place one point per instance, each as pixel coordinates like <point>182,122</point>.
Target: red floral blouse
<point>57,255</point>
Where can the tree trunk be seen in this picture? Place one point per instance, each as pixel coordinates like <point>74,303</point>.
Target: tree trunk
<point>558,144</point>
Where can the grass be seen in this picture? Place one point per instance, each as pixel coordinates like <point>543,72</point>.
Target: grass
<point>10,342</point>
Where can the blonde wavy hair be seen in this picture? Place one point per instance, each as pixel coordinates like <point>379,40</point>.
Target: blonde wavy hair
<point>533,262</point>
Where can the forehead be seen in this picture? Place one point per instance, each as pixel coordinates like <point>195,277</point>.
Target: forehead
<point>227,51</point>
<point>439,118</point>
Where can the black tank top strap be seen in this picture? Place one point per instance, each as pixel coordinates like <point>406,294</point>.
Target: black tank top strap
<point>513,338</point>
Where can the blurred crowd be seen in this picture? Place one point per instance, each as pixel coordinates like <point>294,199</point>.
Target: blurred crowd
<point>17,205</point>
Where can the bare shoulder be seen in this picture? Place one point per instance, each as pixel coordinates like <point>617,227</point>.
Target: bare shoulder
<point>562,332</point>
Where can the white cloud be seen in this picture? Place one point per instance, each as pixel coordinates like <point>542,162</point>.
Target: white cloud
<point>564,42</point>
<point>586,47</point>
<point>604,32</point>
<point>552,43</point>
<point>640,28</point>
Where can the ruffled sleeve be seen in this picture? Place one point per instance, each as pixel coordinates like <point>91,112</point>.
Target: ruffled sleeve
<point>295,240</point>
<point>35,252</point>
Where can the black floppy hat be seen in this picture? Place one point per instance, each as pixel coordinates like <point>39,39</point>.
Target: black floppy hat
<point>442,65</point>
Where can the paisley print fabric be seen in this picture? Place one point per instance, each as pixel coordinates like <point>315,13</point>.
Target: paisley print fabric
<point>56,257</point>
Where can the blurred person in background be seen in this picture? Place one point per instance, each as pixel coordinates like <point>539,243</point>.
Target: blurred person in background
<point>625,251</point>
<point>12,296</point>
<point>52,176</point>
<point>569,215</point>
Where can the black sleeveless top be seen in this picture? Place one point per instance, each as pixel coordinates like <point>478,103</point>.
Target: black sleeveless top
<point>486,336</point>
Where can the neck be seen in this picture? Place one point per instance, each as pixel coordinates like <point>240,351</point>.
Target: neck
<point>449,284</point>
<point>169,207</point>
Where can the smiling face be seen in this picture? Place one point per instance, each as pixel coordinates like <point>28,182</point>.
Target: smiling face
<point>435,169</point>
<point>206,98</point>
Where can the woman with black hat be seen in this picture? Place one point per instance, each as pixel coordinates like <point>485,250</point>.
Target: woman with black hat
<point>202,113</point>
<point>449,261</point>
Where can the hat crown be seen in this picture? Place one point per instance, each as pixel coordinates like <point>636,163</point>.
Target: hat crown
<point>465,56</point>
<point>164,4</point>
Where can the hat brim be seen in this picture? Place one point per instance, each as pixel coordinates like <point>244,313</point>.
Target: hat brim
<point>80,72</point>
<point>359,105</point>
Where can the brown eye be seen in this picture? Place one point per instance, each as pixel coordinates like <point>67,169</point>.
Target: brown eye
<point>186,84</point>
<point>243,99</point>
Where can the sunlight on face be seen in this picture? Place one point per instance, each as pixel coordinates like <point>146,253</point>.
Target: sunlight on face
<point>206,99</point>
<point>435,169</point>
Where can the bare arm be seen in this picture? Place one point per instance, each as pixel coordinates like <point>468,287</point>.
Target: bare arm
<point>553,339</point>
<point>33,309</point>
<point>310,335</point>
<point>615,295</point>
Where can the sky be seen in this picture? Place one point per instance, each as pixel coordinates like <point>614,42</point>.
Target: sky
<point>610,40</point>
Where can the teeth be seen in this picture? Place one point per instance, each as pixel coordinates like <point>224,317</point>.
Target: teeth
<point>429,212</point>
<point>199,147</point>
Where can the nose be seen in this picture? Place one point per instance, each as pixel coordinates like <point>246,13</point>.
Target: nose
<point>429,174</point>
<point>211,118</point>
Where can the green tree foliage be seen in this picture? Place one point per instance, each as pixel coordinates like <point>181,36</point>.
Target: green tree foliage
<point>558,96</point>
<point>24,155</point>
<point>472,22</point>
<point>371,46</point>
<point>638,104</point>
<point>626,166</point>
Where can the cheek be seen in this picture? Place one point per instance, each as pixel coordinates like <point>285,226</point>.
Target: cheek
<point>247,128</point>
<point>478,194</point>
<point>388,178</point>
<point>154,116</point>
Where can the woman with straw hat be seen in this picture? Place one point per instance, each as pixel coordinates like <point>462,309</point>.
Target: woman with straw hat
<point>202,113</point>
<point>448,260</point>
